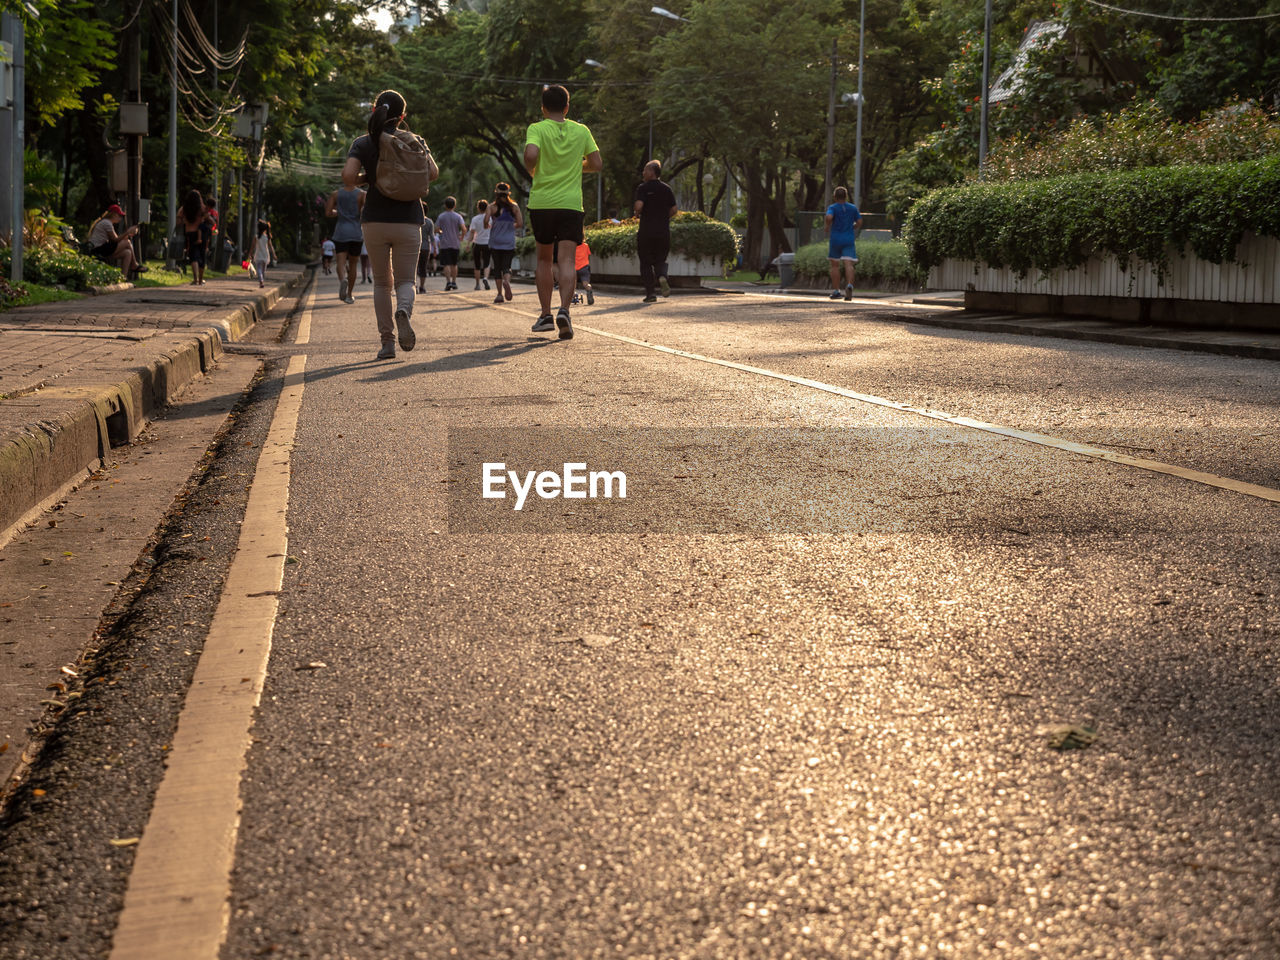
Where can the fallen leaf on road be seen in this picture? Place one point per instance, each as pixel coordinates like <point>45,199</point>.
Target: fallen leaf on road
<point>1067,736</point>
<point>313,665</point>
<point>124,841</point>
<point>597,640</point>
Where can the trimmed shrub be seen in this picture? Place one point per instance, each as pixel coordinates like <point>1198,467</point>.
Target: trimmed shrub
<point>62,268</point>
<point>883,264</point>
<point>694,235</point>
<point>1061,222</point>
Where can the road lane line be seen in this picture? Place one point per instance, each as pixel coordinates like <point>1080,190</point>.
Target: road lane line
<point>1040,439</point>
<point>177,903</point>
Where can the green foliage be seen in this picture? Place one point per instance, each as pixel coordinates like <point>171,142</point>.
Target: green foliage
<point>881,263</point>
<point>1140,136</point>
<point>693,235</point>
<point>61,268</point>
<point>69,47</point>
<point>11,294</point>
<point>1132,214</point>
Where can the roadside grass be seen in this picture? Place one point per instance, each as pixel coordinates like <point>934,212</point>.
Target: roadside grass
<point>39,293</point>
<point>158,276</point>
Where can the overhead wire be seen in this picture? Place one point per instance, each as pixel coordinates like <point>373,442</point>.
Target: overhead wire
<point>1167,16</point>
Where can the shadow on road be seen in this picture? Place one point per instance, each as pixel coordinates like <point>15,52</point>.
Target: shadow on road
<point>485,357</point>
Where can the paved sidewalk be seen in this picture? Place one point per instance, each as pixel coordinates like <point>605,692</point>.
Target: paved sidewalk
<point>79,377</point>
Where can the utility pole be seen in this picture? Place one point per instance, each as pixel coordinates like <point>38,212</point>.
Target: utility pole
<point>216,252</point>
<point>13,185</point>
<point>169,261</point>
<point>831,125</point>
<point>133,132</point>
<point>7,21</point>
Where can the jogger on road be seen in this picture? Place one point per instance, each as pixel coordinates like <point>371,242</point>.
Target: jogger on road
<point>392,228</point>
<point>557,152</point>
<point>347,205</point>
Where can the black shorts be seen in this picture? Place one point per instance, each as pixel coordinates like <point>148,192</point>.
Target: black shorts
<point>556,226</point>
<point>480,255</point>
<point>501,261</point>
<point>448,256</point>
<point>195,249</point>
<point>424,260</point>
<point>104,250</point>
<point>350,247</point>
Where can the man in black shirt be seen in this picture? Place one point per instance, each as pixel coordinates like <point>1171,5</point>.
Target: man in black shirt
<point>655,205</point>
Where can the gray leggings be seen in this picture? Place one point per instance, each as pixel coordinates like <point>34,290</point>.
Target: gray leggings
<point>393,257</point>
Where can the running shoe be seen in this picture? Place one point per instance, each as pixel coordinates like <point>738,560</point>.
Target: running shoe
<point>485,281</point>
<point>407,337</point>
<point>650,299</point>
<point>562,321</point>
<point>835,295</point>
<point>545,322</point>
<point>848,292</point>
<point>388,351</point>
<point>498,298</point>
<point>666,287</point>
<point>506,288</point>
<point>591,297</point>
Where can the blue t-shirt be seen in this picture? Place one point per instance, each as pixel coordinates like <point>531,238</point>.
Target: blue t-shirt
<point>843,217</point>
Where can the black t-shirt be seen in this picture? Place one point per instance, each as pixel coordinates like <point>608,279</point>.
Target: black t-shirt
<point>655,220</point>
<point>377,208</point>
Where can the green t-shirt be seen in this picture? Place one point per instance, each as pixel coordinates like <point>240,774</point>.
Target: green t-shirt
<point>561,147</point>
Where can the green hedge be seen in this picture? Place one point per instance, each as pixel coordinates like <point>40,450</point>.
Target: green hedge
<point>1132,214</point>
<point>61,268</point>
<point>881,263</point>
<point>694,235</point>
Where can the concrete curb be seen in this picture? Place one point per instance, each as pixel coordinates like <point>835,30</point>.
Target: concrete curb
<point>84,421</point>
<point>1223,344</point>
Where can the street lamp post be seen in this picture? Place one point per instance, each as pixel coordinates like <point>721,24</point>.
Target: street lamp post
<point>986,89</point>
<point>831,124</point>
<point>857,149</point>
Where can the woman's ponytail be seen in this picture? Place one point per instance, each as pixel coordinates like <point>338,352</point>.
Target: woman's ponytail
<point>377,120</point>
<point>388,109</point>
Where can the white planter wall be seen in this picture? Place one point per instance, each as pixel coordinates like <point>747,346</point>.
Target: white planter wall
<point>677,266</point>
<point>1255,280</point>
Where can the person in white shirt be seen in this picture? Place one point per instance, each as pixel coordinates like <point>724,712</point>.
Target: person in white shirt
<point>327,250</point>
<point>479,237</point>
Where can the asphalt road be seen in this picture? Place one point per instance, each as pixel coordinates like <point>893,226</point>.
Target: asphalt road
<point>795,702</point>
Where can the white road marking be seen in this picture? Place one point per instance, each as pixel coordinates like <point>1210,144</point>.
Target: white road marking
<point>1044,440</point>
<point>177,903</point>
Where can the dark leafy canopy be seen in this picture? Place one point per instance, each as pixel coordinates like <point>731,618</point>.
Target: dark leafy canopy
<point>68,47</point>
<point>479,76</point>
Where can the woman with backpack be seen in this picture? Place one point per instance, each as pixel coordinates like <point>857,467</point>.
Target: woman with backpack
<point>392,227</point>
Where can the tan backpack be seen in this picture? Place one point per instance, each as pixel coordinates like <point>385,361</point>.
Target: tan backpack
<point>404,170</point>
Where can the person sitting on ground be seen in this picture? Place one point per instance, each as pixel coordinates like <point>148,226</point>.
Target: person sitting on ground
<point>114,247</point>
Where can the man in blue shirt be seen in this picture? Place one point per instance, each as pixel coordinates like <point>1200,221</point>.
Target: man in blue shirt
<point>842,222</point>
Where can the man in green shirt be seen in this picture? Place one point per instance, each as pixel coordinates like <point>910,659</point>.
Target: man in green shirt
<point>556,153</point>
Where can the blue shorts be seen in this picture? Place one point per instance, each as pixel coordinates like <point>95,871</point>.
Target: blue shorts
<point>842,248</point>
